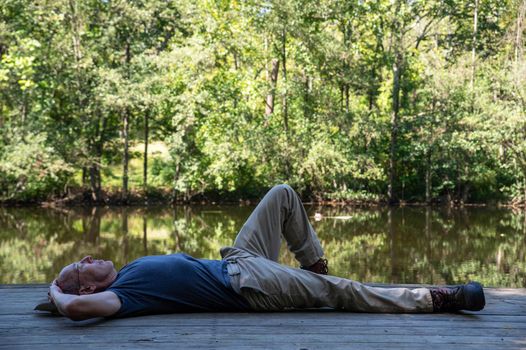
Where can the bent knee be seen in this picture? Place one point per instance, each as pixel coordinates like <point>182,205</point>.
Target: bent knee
<point>282,187</point>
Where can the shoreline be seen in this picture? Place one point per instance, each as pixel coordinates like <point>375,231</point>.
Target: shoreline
<point>137,199</point>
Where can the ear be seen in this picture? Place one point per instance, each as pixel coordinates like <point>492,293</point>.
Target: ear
<point>87,290</point>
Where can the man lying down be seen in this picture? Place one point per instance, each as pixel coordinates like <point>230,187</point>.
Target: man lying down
<point>248,278</point>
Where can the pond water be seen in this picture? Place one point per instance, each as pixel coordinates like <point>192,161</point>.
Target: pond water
<point>398,245</point>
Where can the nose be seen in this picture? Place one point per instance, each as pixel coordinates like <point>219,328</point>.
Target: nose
<point>87,259</point>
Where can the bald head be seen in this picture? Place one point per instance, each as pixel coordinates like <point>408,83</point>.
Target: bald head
<point>68,280</point>
<point>86,276</point>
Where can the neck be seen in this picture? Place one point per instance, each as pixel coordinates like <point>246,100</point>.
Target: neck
<point>106,283</point>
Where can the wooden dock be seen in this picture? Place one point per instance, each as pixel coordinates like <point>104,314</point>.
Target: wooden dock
<point>501,325</point>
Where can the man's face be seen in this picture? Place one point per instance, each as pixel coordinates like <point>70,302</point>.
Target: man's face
<point>88,275</point>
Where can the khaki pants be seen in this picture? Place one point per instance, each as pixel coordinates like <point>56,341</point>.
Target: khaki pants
<point>269,286</point>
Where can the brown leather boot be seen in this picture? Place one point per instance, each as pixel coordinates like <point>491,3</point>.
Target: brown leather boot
<point>320,267</point>
<point>469,296</point>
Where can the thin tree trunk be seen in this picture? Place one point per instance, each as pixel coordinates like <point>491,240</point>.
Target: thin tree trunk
<point>465,193</point>
<point>342,103</point>
<point>125,162</point>
<point>347,33</point>
<point>100,148</point>
<point>474,45</point>
<point>267,75</point>
<point>458,182</point>
<point>125,135</point>
<point>371,90</point>
<point>519,47</point>
<point>394,127</point>
<point>284,62</point>
<point>347,98</point>
<point>96,148</point>
<point>236,63</point>
<point>269,106</point>
<point>145,164</point>
<point>288,166</point>
<point>94,173</point>
<point>99,180</point>
<point>84,177</point>
<point>306,96</point>
<point>94,168</point>
<point>395,100</point>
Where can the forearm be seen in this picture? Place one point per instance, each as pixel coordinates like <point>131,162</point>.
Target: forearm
<point>62,301</point>
<point>82,307</point>
<point>69,305</point>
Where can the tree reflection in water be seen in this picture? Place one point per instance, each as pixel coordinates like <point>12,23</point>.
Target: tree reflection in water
<point>396,245</point>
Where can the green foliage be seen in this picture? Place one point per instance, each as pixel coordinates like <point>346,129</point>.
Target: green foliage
<point>198,73</point>
<point>29,169</point>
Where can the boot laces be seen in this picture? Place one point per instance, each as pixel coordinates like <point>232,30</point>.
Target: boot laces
<point>320,267</point>
<point>446,299</point>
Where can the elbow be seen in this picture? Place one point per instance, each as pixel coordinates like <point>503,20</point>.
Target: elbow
<point>73,311</point>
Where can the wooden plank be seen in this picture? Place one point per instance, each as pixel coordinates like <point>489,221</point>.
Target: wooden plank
<point>501,325</point>
<point>242,336</point>
<point>332,331</point>
<point>189,321</point>
<point>216,344</point>
<point>299,317</point>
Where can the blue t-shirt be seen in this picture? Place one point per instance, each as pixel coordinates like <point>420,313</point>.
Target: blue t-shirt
<point>175,283</point>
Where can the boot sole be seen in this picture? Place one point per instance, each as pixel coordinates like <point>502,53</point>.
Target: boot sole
<point>474,296</point>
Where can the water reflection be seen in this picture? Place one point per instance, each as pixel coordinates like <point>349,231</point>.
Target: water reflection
<point>402,245</point>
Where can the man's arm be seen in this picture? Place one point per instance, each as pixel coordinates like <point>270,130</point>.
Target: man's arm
<point>82,307</point>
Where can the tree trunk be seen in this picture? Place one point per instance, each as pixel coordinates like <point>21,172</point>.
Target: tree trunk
<point>96,148</point>
<point>465,193</point>
<point>95,141</point>
<point>474,46</point>
<point>236,62</point>
<point>145,164</point>
<point>396,40</point>
<point>269,106</point>
<point>94,182</point>
<point>284,62</point>
<point>346,31</point>
<point>100,148</point>
<point>341,97</point>
<point>394,127</point>
<point>288,166</point>
<point>125,162</point>
<point>519,47</point>
<point>458,182</point>
<point>125,136</point>
<point>307,112</point>
<point>93,147</point>
<point>84,177</point>
<point>346,86</point>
